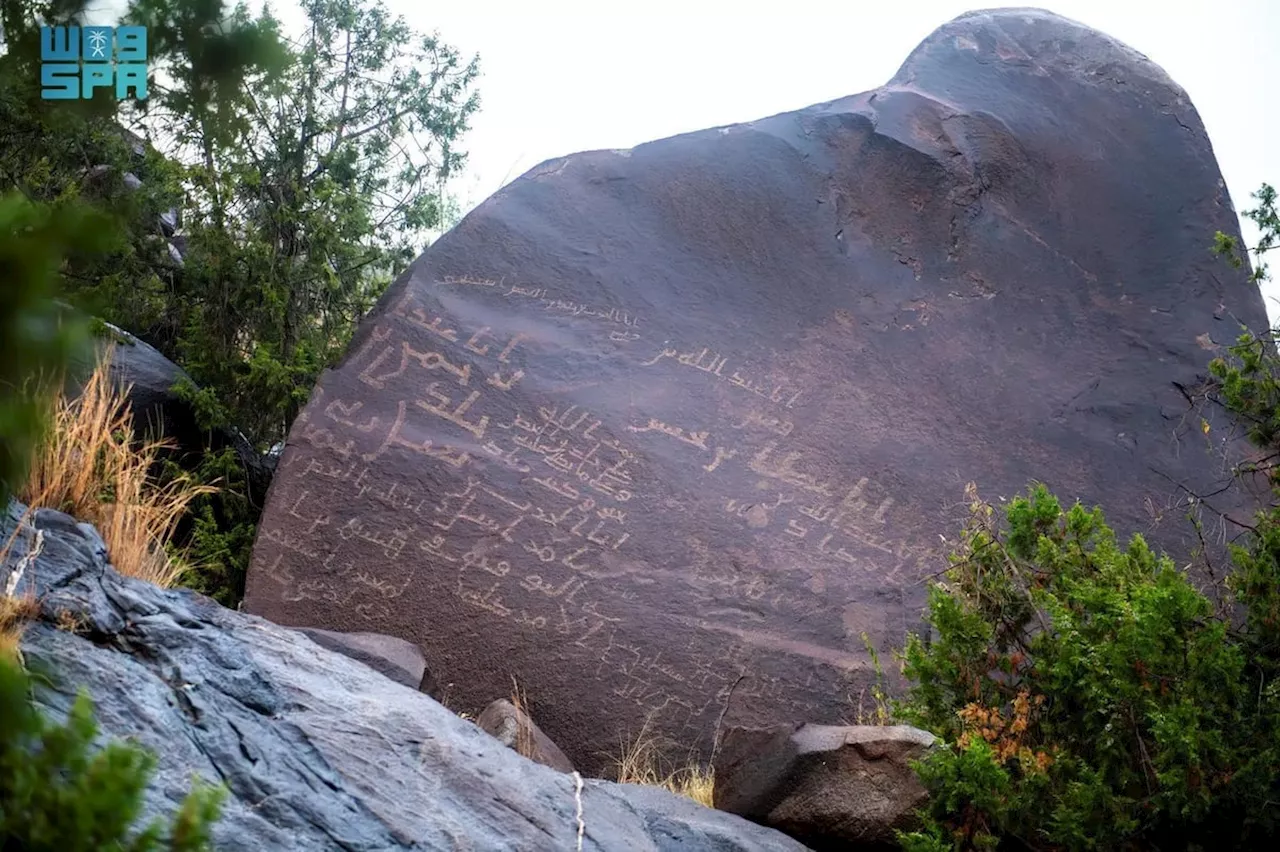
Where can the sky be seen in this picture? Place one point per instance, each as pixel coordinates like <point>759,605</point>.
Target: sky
<point>561,76</point>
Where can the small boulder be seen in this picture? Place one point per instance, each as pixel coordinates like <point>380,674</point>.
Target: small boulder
<point>159,411</point>
<point>829,787</point>
<point>397,659</point>
<point>513,727</point>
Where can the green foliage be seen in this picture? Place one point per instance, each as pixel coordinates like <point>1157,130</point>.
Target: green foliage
<point>307,172</point>
<point>38,338</point>
<point>306,188</point>
<point>1247,383</point>
<point>1267,219</point>
<point>219,540</point>
<point>60,793</point>
<point>1248,379</point>
<point>1090,697</point>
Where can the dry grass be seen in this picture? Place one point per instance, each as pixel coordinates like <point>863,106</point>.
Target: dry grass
<point>91,467</point>
<point>524,744</point>
<point>642,762</point>
<point>17,610</point>
<point>881,710</point>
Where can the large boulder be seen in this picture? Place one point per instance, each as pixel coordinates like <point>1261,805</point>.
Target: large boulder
<point>664,432</point>
<point>317,751</point>
<point>830,787</point>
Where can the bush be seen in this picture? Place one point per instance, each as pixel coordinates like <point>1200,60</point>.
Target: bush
<point>38,338</point>
<point>59,794</point>
<point>1088,695</point>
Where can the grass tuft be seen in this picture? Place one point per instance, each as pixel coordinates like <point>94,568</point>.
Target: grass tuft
<point>525,744</point>
<point>16,611</point>
<point>91,466</point>
<point>641,762</point>
<point>881,712</point>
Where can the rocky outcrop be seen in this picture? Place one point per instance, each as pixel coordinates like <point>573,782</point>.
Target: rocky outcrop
<point>686,421</point>
<point>397,659</point>
<point>159,411</point>
<point>514,728</point>
<point>318,751</point>
<point>832,788</point>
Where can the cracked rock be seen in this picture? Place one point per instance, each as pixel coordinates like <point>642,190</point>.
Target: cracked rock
<point>318,751</point>
<point>661,423</point>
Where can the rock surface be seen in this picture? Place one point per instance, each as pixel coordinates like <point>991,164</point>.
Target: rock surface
<point>319,752</point>
<point>513,727</point>
<point>157,410</point>
<point>830,787</point>
<point>688,420</point>
<point>397,659</point>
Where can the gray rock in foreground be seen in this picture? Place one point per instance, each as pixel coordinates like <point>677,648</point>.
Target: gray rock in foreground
<point>318,751</point>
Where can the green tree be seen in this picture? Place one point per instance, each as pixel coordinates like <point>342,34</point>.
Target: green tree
<point>77,154</point>
<point>60,792</point>
<point>305,194</point>
<point>39,339</point>
<point>1267,219</point>
<point>1089,696</point>
<point>307,172</point>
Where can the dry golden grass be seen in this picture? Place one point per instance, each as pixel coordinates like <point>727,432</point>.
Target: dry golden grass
<point>524,745</point>
<point>91,467</point>
<point>17,610</point>
<point>641,762</point>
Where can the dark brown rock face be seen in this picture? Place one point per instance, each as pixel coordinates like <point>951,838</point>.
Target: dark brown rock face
<point>664,432</point>
<point>830,787</point>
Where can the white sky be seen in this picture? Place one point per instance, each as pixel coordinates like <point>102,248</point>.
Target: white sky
<point>560,76</point>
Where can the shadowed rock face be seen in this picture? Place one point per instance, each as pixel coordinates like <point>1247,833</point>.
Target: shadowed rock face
<point>663,432</point>
<point>832,788</point>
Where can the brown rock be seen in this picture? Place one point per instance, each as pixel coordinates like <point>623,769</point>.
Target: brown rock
<point>665,431</point>
<point>828,787</point>
<point>514,728</point>
<point>394,657</point>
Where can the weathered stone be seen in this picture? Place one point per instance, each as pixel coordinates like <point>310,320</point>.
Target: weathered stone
<point>318,752</point>
<point>663,432</point>
<point>397,659</point>
<point>829,787</point>
<point>516,730</point>
<point>159,411</point>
